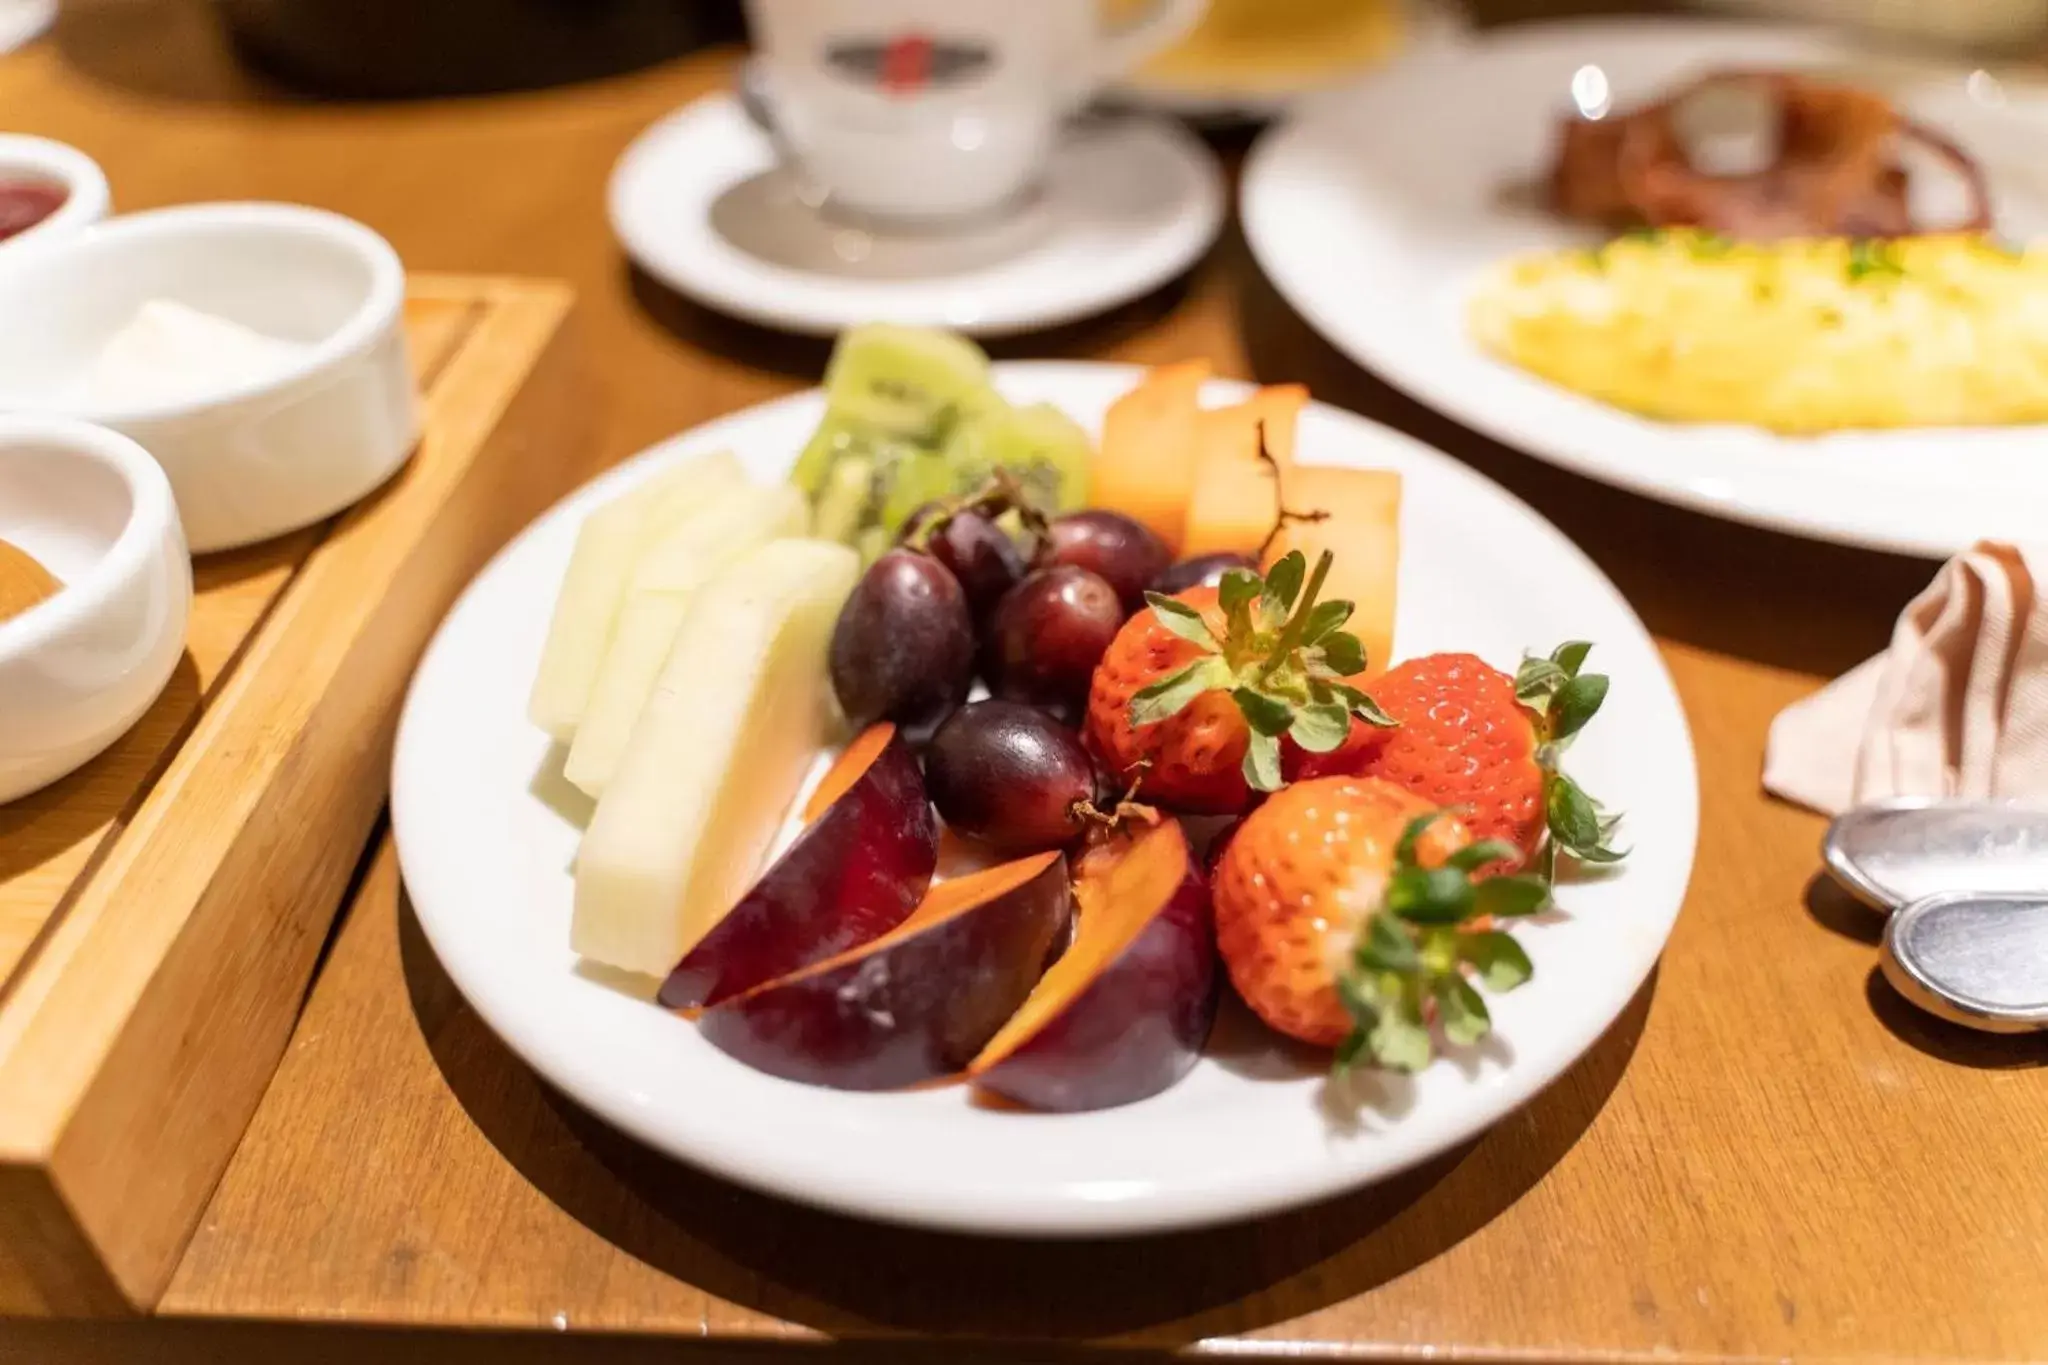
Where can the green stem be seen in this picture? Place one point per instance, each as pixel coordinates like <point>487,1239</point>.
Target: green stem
<point>1290,634</point>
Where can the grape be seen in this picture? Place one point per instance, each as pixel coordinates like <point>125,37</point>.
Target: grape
<point>1010,776</point>
<point>1124,552</point>
<point>981,556</point>
<point>1201,571</point>
<point>1046,636</point>
<point>903,648</point>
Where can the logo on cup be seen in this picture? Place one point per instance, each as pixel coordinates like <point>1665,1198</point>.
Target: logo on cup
<point>910,63</point>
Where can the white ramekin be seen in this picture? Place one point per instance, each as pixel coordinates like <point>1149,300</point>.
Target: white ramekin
<point>246,461</point>
<point>77,670</point>
<point>86,198</point>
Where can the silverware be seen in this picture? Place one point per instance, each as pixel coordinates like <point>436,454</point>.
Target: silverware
<point>1889,853</point>
<point>1967,885</point>
<point>1976,958</point>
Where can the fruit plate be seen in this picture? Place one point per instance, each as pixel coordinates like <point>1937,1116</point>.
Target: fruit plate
<point>1415,221</point>
<point>485,838</point>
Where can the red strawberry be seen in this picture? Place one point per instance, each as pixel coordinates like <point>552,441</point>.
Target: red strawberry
<point>1473,739</point>
<point>1196,691</point>
<point>1346,915</point>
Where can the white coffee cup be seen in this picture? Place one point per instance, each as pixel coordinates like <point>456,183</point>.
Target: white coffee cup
<point>937,109</point>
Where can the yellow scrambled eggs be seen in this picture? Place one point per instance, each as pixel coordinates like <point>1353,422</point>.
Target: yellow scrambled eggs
<point>1798,336</point>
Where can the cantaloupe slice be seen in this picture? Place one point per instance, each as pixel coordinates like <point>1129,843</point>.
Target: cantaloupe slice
<point>1362,531</point>
<point>1233,503</point>
<point>1145,465</point>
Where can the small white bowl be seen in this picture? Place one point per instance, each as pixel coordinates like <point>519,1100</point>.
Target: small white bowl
<point>251,460</point>
<point>78,669</point>
<point>86,198</point>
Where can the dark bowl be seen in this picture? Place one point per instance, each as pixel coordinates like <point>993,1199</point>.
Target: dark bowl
<point>413,48</point>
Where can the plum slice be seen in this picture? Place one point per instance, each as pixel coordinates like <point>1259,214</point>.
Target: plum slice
<point>1124,1012</point>
<point>854,874</point>
<point>916,1004</point>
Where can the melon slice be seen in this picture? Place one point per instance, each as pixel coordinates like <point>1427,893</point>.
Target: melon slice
<point>1234,501</point>
<point>608,546</point>
<point>739,714</point>
<point>1362,531</point>
<point>662,589</point>
<point>1145,466</point>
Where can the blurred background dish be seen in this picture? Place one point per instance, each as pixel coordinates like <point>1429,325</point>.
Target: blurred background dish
<point>404,48</point>
<point>47,189</point>
<point>700,203</point>
<point>1248,59</point>
<point>89,514</point>
<point>1962,23</point>
<point>1381,242</point>
<point>929,110</point>
<point>255,350</point>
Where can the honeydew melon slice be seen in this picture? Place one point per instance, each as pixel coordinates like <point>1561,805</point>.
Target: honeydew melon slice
<point>609,544</point>
<point>741,710</point>
<point>663,585</point>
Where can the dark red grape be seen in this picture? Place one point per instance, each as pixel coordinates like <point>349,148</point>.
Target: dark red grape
<point>903,648</point>
<point>1047,635</point>
<point>1010,776</point>
<point>984,558</point>
<point>1201,571</point>
<point>1124,552</point>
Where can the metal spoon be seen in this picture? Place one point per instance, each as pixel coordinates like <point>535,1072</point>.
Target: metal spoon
<point>1967,882</point>
<point>1889,853</point>
<point>1976,958</point>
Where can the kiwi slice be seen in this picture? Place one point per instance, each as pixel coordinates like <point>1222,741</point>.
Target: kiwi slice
<point>1042,447</point>
<point>841,507</point>
<point>907,382</point>
<point>913,481</point>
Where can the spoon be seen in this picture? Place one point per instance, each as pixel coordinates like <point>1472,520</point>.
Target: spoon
<point>1975,958</point>
<point>1891,852</point>
<point>1968,884</point>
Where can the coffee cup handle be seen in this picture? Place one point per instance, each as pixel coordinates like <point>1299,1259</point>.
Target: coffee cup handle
<point>1128,45</point>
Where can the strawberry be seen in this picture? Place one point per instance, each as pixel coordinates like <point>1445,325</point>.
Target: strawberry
<point>1347,913</point>
<point>1196,691</point>
<point>1470,738</point>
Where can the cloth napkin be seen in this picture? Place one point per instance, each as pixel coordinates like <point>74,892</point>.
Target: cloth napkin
<point>1957,707</point>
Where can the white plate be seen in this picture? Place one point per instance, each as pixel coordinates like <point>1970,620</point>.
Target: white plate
<point>1126,205</point>
<point>486,860</point>
<point>1376,240</point>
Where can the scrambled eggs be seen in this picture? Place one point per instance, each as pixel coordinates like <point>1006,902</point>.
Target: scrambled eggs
<point>1796,336</point>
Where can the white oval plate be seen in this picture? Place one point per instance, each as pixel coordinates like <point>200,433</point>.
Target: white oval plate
<point>1377,241</point>
<point>486,863</point>
<point>1126,205</point>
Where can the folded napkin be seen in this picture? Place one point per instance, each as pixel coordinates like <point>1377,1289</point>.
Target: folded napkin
<point>1958,706</point>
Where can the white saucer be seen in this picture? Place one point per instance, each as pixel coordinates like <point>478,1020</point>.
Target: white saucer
<point>699,202</point>
<point>23,21</point>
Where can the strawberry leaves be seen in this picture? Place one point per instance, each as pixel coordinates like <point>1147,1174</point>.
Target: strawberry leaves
<point>1562,700</point>
<point>1283,657</point>
<point>1417,952</point>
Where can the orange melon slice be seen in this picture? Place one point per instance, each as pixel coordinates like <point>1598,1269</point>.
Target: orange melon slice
<point>1145,465</point>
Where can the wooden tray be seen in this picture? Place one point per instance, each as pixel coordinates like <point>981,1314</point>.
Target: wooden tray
<point>163,909</point>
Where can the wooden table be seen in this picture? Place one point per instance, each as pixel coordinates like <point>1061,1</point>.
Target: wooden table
<point>1769,1155</point>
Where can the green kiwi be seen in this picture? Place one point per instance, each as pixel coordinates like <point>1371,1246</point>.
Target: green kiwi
<point>840,508</point>
<point>1043,447</point>
<point>909,382</point>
